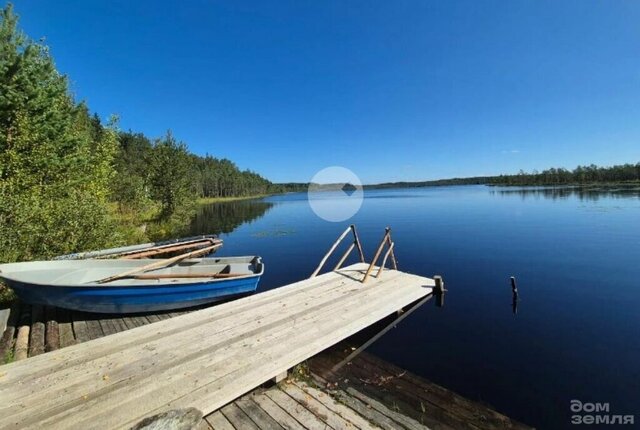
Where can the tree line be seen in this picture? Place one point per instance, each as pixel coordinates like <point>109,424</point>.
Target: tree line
<point>69,182</point>
<point>581,175</point>
<point>163,170</point>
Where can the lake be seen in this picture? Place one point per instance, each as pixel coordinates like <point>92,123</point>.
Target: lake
<point>576,257</point>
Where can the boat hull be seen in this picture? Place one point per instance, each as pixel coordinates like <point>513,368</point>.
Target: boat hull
<point>128,299</point>
<point>76,284</point>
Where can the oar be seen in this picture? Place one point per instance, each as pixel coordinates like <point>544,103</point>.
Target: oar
<point>160,264</point>
<point>188,275</point>
<point>164,249</point>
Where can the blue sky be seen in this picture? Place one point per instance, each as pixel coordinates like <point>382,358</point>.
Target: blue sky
<point>400,90</point>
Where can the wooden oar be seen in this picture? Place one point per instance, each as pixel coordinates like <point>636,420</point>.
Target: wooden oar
<point>160,264</point>
<point>188,275</point>
<point>164,249</point>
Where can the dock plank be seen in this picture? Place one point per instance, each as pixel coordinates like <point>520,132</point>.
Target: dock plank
<point>203,359</point>
<point>262,419</point>
<point>331,404</point>
<point>37,334</point>
<point>328,415</point>
<point>276,412</point>
<point>219,422</point>
<point>238,418</point>
<point>306,418</point>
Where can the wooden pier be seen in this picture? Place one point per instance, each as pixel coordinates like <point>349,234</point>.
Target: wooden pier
<point>203,359</point>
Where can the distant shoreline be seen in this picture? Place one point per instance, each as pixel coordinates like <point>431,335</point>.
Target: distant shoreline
<point>210,200</point>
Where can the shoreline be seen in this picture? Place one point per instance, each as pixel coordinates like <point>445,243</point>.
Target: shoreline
<point>210,200</point>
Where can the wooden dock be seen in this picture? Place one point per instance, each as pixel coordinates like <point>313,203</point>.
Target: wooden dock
<point>203,359</point>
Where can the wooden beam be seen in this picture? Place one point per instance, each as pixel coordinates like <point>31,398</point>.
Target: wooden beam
<point>344,256</point>
<point>384,260</point>
<point>333,248</point>
<point>377,254</point>
<point>357,242</point>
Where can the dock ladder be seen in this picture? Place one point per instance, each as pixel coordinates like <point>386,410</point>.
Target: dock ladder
<point>386,240</point>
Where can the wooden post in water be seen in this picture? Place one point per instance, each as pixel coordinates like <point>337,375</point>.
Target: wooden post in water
<point>514,293</point>
<point>439,290</point>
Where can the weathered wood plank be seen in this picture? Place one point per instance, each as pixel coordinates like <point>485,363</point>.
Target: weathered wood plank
<point>21,350</point>
<point>119,324</point>
<point>320,410</point>
<point>276,412</point>
<point>263,420</point>
<point>438,402</point>
<point>36,338</point>
<point>152,318</point>
<point>65,328</point>
<point>328,402</point>
<point>130,322</point>
<point>239,419</point>
<point>93,328</point>
<point>107,326</point>
<point>219,421</point>
<point>80,329</point>
<point>296,410</point>
<point>368,412</point>
<point>52,331</point>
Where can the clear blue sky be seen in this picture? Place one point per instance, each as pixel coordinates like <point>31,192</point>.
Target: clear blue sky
<point>394,90</point>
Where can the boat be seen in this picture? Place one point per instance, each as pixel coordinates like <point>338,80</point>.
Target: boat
<point>132,285</point>
<point>145,250</point>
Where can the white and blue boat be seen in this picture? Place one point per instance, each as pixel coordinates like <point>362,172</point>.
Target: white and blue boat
<point>80,284</point>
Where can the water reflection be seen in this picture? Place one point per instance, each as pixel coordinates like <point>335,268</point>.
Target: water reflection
<point>594,193</point>
<point>225,217</point>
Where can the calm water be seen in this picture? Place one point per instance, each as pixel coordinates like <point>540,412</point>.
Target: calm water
<point>576,257</point>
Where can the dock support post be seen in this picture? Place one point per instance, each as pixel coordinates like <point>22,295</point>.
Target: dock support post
<point>280,377</point>
<point>514,294</point>
<point>439,290</point>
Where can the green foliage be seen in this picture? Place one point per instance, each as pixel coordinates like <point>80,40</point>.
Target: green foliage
<point>130,185</point>
<point>55,168</point>
<point>69,183</point>
<point>170,174</point>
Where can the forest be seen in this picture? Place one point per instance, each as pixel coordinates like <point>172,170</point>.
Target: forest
<point>581,175</point>
<point>70,181</point>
